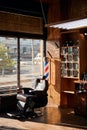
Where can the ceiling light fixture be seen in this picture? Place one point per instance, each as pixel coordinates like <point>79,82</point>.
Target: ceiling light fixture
<point>81,23</point>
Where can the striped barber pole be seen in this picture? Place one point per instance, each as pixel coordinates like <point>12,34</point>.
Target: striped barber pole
<point>46,69</point>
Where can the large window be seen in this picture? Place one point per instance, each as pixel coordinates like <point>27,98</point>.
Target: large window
<point>31,58</point>
<point>28,53</point>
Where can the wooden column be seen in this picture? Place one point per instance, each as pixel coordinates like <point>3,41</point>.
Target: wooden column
<point>54,84</point>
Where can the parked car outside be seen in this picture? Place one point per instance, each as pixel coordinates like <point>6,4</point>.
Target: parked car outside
<point>37,59</point>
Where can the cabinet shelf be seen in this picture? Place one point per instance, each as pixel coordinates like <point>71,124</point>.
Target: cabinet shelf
<point>69,62</point>
<point>80,82</point>
<point>70,77</point>
<point>69,92</point>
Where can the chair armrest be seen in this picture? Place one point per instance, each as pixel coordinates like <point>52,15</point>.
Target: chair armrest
<point>40,93</point>
<point>27,90</point>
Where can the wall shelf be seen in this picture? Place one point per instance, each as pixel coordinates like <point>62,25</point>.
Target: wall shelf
<point>73,64</point>
<point>69,92</point>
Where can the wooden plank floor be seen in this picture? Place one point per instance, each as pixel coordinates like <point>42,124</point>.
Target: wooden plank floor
<point>8,124</point>
<point>53,118</point>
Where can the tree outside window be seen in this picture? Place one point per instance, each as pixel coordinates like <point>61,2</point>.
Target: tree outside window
<point>6,62</point>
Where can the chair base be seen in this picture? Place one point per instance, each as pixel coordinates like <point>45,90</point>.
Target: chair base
<point>27,115</point>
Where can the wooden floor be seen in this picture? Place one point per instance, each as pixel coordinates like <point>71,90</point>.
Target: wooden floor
<point>53,118</point>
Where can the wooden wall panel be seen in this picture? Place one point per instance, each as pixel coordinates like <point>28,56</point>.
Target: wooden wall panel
<point>77,9</point>
<point>54,12</point>
<point>54,84</point>
<point>53,34</point>
<point>20,23</point>
<point>72,9</point>
<point>52,17</point>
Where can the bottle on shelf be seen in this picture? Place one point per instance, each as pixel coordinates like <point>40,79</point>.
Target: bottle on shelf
<point>76,43</point>
<point>84,76</point>
<point>70,43</point>
<point>65,43</point>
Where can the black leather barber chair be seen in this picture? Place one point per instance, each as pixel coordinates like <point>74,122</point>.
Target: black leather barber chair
<point>30,99</point>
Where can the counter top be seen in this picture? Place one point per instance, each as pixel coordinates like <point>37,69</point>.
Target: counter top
<point>80,81</point>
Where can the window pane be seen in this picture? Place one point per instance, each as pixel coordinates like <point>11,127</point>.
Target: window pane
<point>8,61</point>
<point>31,61</point>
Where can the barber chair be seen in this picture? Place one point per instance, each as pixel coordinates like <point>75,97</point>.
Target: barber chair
<point>30,99</point>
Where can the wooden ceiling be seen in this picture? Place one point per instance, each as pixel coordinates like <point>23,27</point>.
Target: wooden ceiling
<point>32,7</point>
<point>47,1</point>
